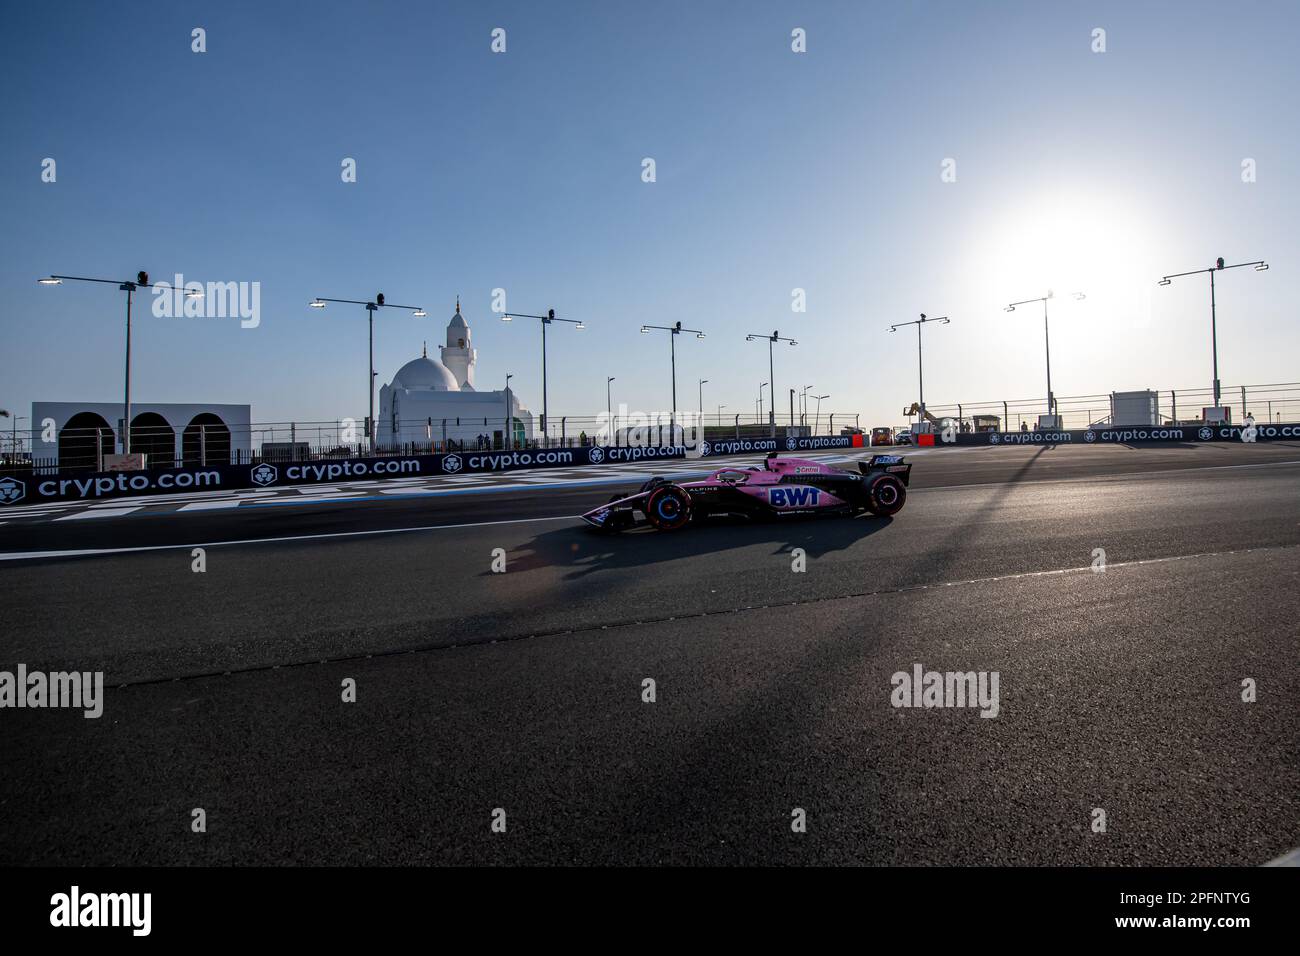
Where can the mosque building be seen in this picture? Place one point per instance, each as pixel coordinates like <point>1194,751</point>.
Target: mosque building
<point>434,400</point>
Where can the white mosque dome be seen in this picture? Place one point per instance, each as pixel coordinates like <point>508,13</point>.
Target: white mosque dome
<point>425,373</point>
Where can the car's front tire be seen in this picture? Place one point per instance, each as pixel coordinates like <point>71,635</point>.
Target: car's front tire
<point>668,508</point>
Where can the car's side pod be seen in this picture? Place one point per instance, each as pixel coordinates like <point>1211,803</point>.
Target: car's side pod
<point>887,464</point>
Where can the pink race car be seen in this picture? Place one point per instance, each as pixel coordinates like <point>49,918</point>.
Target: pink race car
<point>782,487</point>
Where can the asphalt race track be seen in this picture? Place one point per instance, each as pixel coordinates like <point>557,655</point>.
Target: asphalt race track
<point>1119,690</point>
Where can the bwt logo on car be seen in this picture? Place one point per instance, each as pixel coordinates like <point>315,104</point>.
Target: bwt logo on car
<point>793,497</point>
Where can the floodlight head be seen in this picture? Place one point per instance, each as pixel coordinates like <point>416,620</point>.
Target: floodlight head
<point>379,299</point>
<point>316,304</point>
<point>1262,267</point>
<point>579,327</point>
<point>507,317</point>
<point>645,330</point>
<point>50,280</point>
<point>193,293</point>
<point>1010,308</point>
<point>1165,282</point>
<point>419,313</point>
<point>699,335</point>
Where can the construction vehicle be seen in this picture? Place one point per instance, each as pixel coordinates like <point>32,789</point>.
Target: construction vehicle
<point>930,423</point>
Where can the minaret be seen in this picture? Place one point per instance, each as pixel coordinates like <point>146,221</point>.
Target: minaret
<point>459,354</point>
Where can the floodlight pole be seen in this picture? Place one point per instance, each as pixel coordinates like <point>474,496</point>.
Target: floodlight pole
<point>920,363</point>
<point>1047,342</point>
<point>129,287</point>
<point>372,305</point>
<point>1260,266</point>
<point>546,320</point>
<point>771,370</point>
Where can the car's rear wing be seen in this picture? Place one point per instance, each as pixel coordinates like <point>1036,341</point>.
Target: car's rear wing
<point>887,464</point>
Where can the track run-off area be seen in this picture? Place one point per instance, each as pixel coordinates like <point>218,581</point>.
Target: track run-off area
<point>771,647</point>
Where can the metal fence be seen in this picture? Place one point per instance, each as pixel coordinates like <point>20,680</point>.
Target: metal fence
<point>1267,403</point>
<point>276,442</point>
<point>23,451</point>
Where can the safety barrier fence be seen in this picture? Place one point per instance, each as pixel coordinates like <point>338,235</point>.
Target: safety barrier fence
<point>47,450</point>
<point>94,486</point>
<point>1279,402</point>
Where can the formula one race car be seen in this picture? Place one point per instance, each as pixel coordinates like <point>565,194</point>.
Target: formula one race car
<point>783,486</point>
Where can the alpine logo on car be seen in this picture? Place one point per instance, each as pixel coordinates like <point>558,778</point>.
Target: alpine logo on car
<point>793,497</point>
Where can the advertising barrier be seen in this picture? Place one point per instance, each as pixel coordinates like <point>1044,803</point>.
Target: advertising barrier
<point>23,489</point>
<point>1126,434</point>
<point>98,486</point>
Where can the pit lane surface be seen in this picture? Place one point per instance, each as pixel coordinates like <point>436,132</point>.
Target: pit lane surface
<point>1119,690</point>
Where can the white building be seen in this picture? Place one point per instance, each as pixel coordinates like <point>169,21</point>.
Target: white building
<point>434,400</point>
<point>79,434</point>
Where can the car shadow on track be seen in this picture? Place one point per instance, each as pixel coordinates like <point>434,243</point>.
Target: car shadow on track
<point>586,551</point>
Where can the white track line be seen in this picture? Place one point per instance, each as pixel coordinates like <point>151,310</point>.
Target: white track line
<point>33,555</point>
<point>98,513</point>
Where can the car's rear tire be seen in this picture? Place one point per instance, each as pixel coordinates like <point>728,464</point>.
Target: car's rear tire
<point>886,496</point>
<point>668,508</point>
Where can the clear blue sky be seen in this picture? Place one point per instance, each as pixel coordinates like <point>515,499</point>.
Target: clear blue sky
<point>1075,170</point>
